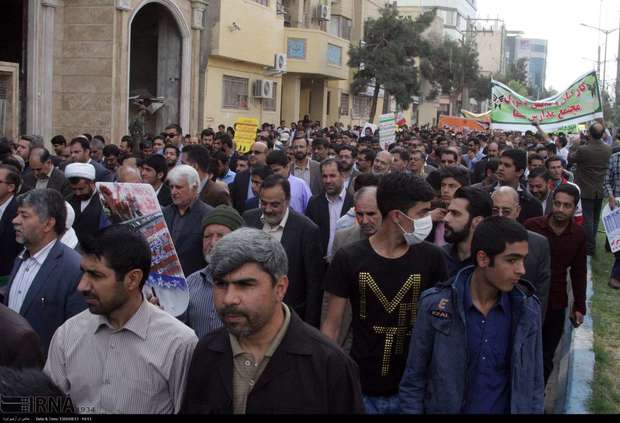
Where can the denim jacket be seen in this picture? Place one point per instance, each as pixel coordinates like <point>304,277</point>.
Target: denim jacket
<point>435,379</point>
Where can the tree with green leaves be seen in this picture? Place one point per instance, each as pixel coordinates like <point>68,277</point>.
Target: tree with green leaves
<point>387,57</point>
<point>452,68</point>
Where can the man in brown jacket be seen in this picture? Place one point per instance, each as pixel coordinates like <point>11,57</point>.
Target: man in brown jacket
<point>592,161</point>
<point>265,360</point>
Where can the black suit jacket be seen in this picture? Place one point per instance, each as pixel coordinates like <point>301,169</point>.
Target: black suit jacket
<point>188,242</point>
<point>239,190</point>
<point>102,174</point>
<point>301,240</point>
<point>9,248</point>
<point>164,197</point>
<point>318,212</point>
<point>86,222</point>
<point>20,343</point>
<point>53,297</point>
<point>308,374</point>
<point>57,181</point>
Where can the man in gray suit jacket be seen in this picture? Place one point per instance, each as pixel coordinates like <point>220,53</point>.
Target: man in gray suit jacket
<point>538,260</point>
<point>42,285</point>
<point>184,217</point>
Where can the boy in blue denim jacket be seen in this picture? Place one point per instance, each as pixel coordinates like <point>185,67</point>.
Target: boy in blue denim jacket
<point>477,342</point>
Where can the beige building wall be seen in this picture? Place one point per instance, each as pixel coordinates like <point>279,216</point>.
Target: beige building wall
<point>79,63</point>
<point>490,46</point>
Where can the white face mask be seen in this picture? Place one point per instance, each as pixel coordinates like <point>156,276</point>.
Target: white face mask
<point>421,229</point>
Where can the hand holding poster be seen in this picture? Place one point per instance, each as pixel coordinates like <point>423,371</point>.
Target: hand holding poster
<point>581,102</point>
<point>611,222</point>
<point>136,205</point>
<point>387,130</point>
<point>245,133</point>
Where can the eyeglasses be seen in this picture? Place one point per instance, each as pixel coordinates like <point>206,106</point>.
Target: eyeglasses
<point>169,135</point>
<point>257,152</point>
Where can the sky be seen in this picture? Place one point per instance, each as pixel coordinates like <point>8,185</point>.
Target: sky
<point>572,48</point>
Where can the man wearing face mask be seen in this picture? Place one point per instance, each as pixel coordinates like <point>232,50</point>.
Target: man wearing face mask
<point>201,315</point>
<point>383,277</point>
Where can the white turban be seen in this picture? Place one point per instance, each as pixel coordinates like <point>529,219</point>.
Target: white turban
<point>80,170</point>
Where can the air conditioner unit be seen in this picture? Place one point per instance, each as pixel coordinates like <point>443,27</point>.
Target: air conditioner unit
<point>323,12</point>
<point>263,88</point>
<point>279,62</point>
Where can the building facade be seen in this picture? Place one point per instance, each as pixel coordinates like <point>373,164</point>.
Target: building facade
<point>490,38</point>
<point>535,52</point>
<point>75,66</point>
<point>296,50</point>
<point>82,60</point>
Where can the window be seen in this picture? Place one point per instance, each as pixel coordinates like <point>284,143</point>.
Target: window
<point>235,92</point>
<point>538,48</point>
<point>296,48</point>
<point>269,104</point>
<point>448,16</point>
<point>340,27</point>
<point>263,2</point>
<point>361,106</point>
<point>344,104</point>
<point>334,54</point>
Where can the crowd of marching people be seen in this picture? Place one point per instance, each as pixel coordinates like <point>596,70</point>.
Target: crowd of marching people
<point>327,272</point>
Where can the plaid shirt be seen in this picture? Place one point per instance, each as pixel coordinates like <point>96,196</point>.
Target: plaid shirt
<point>612,179</point>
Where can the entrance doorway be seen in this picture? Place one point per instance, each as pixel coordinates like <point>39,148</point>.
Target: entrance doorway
<point>155,70</point>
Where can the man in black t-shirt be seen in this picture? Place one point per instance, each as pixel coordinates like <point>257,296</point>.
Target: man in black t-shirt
<point>383,277</point>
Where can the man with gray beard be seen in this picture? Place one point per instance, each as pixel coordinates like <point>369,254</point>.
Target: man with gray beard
<point>201,315</point>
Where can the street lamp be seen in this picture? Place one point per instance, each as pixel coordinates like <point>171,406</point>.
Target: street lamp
<point>606,32</point>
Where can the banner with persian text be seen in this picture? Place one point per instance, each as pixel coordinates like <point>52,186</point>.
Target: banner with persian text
<point>581,102</point>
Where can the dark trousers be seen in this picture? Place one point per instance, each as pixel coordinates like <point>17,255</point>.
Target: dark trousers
<point>591,217</point>
<point>615,271</point>
<point>552,331</point>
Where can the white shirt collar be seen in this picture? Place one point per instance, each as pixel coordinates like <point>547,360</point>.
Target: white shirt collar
<point>341,196</point>
<point>40,255</point>
<point>4,205</point>
<point>282,223</point>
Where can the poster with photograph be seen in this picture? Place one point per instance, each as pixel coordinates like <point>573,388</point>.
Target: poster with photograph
<point>136,205</point>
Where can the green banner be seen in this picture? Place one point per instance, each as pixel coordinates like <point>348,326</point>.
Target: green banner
<point>581,102</point>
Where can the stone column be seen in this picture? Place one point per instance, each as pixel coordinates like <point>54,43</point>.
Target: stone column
<point>40,65</point>
<point>120,91</point>
<point>196,122</point>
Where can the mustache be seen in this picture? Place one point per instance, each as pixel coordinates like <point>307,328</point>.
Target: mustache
<point>231,310</point>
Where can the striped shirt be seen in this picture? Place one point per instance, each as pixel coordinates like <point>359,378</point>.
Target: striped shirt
<point>201,315</point>
<point>28,269</point>
<point>138,369</point>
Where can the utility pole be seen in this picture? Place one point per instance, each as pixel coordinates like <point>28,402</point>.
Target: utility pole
<point>606,32</point>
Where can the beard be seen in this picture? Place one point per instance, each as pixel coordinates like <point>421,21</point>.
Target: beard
<point>300,156</point>
<point>454,237</point>
<point>248,325</point>
<point>541,195</point>
<point>273,219</point>
<point>346,166</point>
<point>118,300</point>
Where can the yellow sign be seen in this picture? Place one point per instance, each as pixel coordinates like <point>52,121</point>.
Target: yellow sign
<point>245,133</point>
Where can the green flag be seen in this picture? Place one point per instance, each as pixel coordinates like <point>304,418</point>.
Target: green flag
<point>581,102</point>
